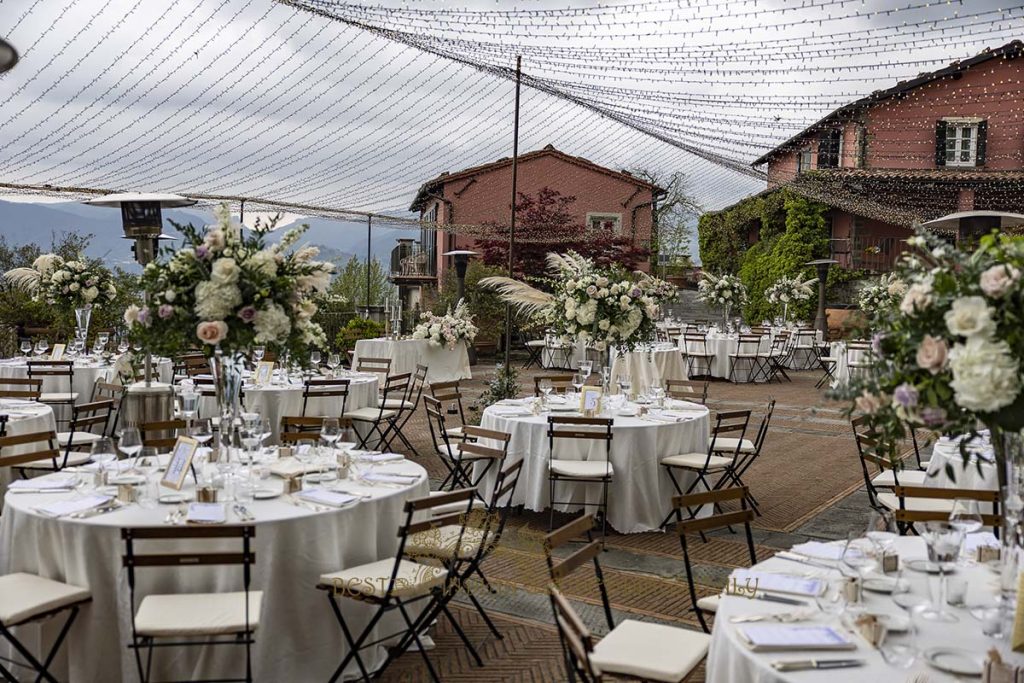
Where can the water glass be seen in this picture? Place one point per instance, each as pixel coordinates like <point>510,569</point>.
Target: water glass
<point>245,487</point>
<point>899,647</point>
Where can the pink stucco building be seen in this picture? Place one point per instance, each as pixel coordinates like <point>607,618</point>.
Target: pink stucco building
<point>951,140</point>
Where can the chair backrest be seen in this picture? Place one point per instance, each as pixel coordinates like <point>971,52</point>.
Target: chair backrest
<point>748,344</point>
<point>51,368</point>
<point>687,390</point>
<point>92,418</point>
<point>378,366</point>
<point>395,387</point>
<point>191,364</point>
<point>730,425</point>
<point>501,499</point>
<point>419,380</point>
<point>473,447</point>
<point>590,552</point>
<point>21,387</point>
<point>695,343</point>
<point>155,433</point>
<point>298,428</point>
<point>559,383</point>
<point>577,643</point>
<point>762,430</point>
<point>449,392</point>
<point>436,424</point>
<point>33,446</point>
<point>867,445</point>
<point>985,497</point>
<point>760,330</point>
<point>590,428</point>
<point>416,510</point>
<point>107,391</point>
<point>325,388</point>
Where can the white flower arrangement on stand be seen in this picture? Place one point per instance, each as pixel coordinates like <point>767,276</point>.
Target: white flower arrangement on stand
<point>447,330</point>
<point>787,290</point>
<point>883,295</point>
<point>722,290</point>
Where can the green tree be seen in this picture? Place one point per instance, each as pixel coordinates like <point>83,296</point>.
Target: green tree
<point>674,213</point>
<point>350,282</point>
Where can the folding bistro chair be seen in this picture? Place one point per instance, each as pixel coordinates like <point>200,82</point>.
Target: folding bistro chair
<point>534,347</point>
<point>406,405</point>
<point>62,373</point>
<point>21,387</point>
<point>721,520</point>
<point>27,598</point>
<point>631,649</point>
<point>470,453</point>
<point>155,434</point>
<point>106,391</point>
<point>448,392</point>
<point>826,363</point>
<point>395,584</point>
<point>381,420</point>
<point>301,428</point>
<point>748,351</point>
<point>934,504</point>
<point>747,452</point>
<point>89,423</point>
<point>858,357</point>
<point>325,388</point>
<point>377,366</point>
<point>804,354</point>
<point>773,361</point>
<point>695,350</point>
<point>889,475</point>
<point>191,619</point>
<point>439,436</point>
<point>687,390</point>
<point>729,424</point>
<point>42,452</point>
<point>584,472</point>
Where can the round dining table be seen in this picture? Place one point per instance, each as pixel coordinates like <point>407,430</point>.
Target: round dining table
<point>23,417</point>
<point>649,367</point>
<point>977,472</point>
<point>298,636</point>
<point>731,659</point>
<point>86,372</point>
<point>640,491</point>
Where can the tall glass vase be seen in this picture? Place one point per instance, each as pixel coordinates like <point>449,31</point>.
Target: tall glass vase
<point>725,318</point>
<point>785,314</point>
<point>82,317</point>
<point>226,369</point>
<point>1009,450</point>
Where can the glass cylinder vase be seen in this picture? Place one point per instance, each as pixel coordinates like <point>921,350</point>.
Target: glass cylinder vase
<point>226,369</point>
<point>83,316</point>
<point>1009,450</point>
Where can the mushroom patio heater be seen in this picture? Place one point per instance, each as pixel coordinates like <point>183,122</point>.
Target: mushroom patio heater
<point>141,219</point>
<point>8,56</point>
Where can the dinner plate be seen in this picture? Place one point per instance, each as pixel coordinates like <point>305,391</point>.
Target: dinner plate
<point>267,492</point>
<point>881,584</point>
<point>925,566</point>
<point>955,660</point>
<point>174,497</point>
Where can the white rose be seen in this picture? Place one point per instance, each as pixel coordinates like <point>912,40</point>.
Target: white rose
<point>224,271</point>
<point>131,315</point>
<point>997,280</point>
<point>263,262</point>
<point>216,302</point>
<point>91,294</point>
<point>897,288</point>
<point>970,316</point>
<point>75,287</point>
<point>169,295</point>
<point>604,324</point>
<point>986,376</point>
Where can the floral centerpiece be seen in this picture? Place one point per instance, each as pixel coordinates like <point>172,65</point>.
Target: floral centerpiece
<point>787,290</point>
<point>721,290</point>
<point>601,307</point>
<point>224,291</point>
<point>448,330</point>
<point>883,295</point>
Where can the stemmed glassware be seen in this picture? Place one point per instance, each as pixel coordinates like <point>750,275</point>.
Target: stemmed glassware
<point>122,346</point>
<point>966,516</point>
<point>202,431</point>
<point>330,432</point>
<point>103,453</point>
<point>26,347</point>
<point>257,353</point>
<point>626,385</point>
<point>943,541</point>
<point>314,361</point>
<point>129,442</point>
<point>41,346</point>
<point>881,532</point>
<point>577,382</point>
<point>586,369</point>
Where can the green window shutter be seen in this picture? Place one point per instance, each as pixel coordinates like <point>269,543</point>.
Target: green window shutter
<point>982,144</point>
<point>940,143</point>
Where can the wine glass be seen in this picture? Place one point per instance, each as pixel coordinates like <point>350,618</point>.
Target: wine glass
<point>577,381</point>
<point>330,431</point>
<point>26,347</point>
<point>899,648</point>
<point>257,353</point>
<point>545,389</point>
<point>943,541</point>
<point>122,346</point>
<point>129,442</point>
<point>832,601</point>
<point>965,516</point>
<point>103,452</point>
<point>881,531</point>
<point>202,431</point>
<point>586,368</point>
<point>333,361</point>
<point>314,360</point>
<point>626,385</point>
<point>103,338</point>
<point>41,346</point>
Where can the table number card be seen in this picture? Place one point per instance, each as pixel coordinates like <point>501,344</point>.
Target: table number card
<point>181,460</point>
<point>590,400</point>
<point>58,352</point>
<point>264,373</point>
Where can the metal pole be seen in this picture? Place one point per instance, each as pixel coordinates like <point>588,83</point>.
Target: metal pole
<point>241,212</point>
<point>512,222</point>
<point>369,220</point>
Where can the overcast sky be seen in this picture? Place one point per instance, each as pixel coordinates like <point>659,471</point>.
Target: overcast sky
<point>260,99</point>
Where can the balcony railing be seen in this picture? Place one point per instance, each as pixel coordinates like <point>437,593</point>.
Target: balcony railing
<point>410,261</point>
<point>877,254</point>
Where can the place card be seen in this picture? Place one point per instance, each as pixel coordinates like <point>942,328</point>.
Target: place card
<point>57,353</point>
<point>206,513</point>
<point>181,460</point>
<point>780,638</point>
<point>325,497</point>
<point>780,583</point>
<point>63,508</point>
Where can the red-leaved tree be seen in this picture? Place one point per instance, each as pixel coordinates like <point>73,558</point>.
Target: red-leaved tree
<point>544,223</point>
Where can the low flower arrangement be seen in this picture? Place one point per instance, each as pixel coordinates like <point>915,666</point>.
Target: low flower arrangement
<point>721,290</point>
<point>228,290</point>
<point>882,296</point>
<point>788,290</point>
<point>447,330</point>
<point>601,307</point>
<point>947,354</point>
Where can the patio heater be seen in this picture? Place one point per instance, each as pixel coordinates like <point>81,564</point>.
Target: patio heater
<point>820,320</point>
<point>461,257</point>
<point>8,56</point>
<point>141,220</point>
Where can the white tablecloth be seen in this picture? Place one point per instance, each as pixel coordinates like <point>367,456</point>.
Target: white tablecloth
<point>24,417</point>
<point>298,638</point>
<point>85,375</point>
<point>729,660</point>
<point>967,475</point>
<point>721,347</point>
<point>640,492</point>
<point>649,368</point>
<point>842,359</point>
<point>443,364</point>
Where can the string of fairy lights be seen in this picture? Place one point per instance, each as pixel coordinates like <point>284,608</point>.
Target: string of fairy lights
<point>345,109</point>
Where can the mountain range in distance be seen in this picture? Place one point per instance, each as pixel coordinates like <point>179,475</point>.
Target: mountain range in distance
<point>26,222</point>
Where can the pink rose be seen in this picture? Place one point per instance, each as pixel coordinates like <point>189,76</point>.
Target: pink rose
<point>212,332</point>
<point>165,311</point>
<point>997,280</point>
<point>931,354</point>
<point>247,314</point>
<point>869,403</point>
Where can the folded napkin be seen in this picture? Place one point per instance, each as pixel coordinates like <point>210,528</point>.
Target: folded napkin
<point>290,467</point>
<point>325,497</point>
<point>670,416</point>
<point>818,550</point>
<point>62,508</point>
<point>515,401</point>
<point>51,482</point>
<point>206,513</point>
<point>510,411</point>
<point>685,406</point>
<point>383,457</point>
<point>391,478</point>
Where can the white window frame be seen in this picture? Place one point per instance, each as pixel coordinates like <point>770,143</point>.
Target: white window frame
<point>604,217</point>
<point>954,128</point>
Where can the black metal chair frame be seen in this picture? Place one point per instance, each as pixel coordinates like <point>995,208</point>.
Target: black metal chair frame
<point>576,429</point>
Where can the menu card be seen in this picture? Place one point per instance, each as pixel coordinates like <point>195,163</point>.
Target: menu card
<point>780,583</point>
<point>779,638</point>
<point>62,508</point>
<point>206,513</point>
<point>325,497</point>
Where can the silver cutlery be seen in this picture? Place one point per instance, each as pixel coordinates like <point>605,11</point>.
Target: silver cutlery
<point>807,664</point>
<point>781,617</point>
<point>298,502</point>
<point>243,513</point>
<point>85,514</point>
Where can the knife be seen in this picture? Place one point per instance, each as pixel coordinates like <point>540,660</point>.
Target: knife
<point>778,598</point>
<point>804,665</point>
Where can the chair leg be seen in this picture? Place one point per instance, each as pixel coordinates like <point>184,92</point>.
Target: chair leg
<point>354,645</point>
<point>419,644</point>
<point>487,584</point>
<point>483,613</point>
<point>462,634</point>
<point>551,503</point>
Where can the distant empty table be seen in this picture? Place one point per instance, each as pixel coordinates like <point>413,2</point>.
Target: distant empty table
<point>443,364</point>
<point>649,368</point>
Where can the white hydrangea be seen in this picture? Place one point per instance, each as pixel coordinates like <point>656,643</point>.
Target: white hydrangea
<point>986,376</point>
<point>271,324</point>
<point>215,301</point>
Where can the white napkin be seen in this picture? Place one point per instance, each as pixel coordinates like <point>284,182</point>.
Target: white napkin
<point>818,550</point>
<point>383,457</point>
<point>514,401</point>
<point>52,482</point>
<point>510,411</point>
<point>685,406</point>
<point>980,539</point>
<point>669,416</point>
<point>391,478</point>
<point>290,467</point>
<point>324,497</point>
<point>62,508</point>
<point>206,513</point>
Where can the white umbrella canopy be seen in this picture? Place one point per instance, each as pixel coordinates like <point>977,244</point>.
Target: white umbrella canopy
<point>167,201</point>
<point>952,221</point>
